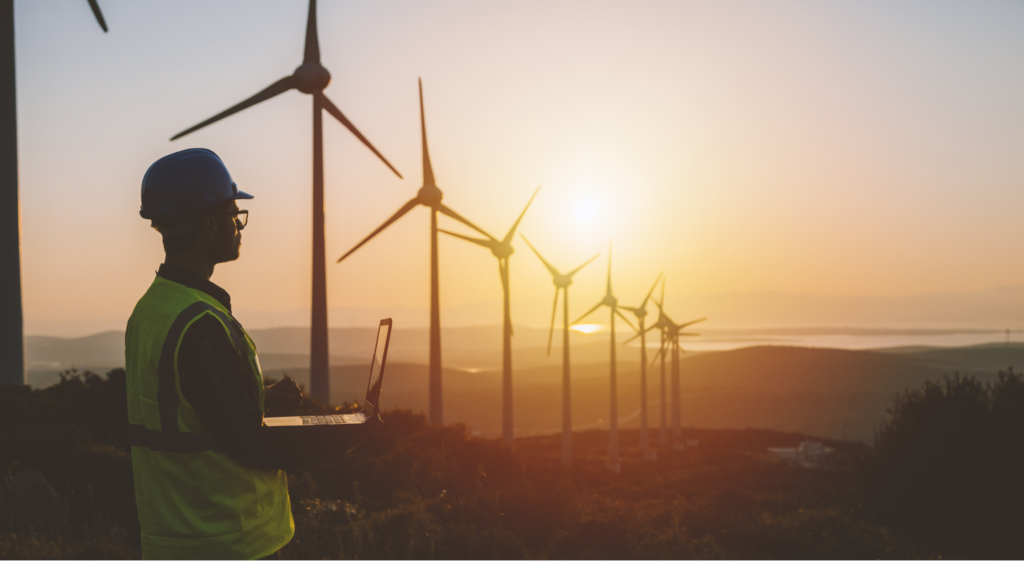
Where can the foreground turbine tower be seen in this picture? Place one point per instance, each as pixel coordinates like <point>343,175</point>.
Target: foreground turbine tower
<point>612,303</point>
<point>310,78</point>
<point>641,313</point>
<point>502,251</point>
<point>562,283</point>
<point>429,195</point>
<point>12,336</point>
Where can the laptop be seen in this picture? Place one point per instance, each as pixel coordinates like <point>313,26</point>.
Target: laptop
<point>371,406</point>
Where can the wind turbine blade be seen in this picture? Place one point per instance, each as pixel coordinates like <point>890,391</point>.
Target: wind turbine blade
<point>99,14</point>
<point>508,237</point>
<point>661,350</point>
<point>312,53</point>
<point>580,267</point>
<point>608,289</point>
<point>428,169</point>
<point>626,320</point>
<point>481,241</point>
<point>655,285</point>
<point>451,214</point>
<point>554,308</point>
<point>662,298</point>
<point>553,271</point>
<point>691,323</point>
<point>401,212</point>
<point>589,312</point>
<point>330,107</point>
<point>279,87</point>
<point>637,335</point>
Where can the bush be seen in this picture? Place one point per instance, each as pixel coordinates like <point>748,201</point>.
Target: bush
<point>948,462</point>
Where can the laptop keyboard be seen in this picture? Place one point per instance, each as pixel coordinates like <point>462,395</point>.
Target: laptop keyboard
<point>332,419</point>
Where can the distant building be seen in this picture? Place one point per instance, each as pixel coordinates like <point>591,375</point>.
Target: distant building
<point>807,454</point>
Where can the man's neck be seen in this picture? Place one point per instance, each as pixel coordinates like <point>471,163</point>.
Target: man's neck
<point>193,263</point>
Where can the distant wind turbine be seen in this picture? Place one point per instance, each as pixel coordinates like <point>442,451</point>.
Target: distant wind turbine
<point>429,195</point>
<point>503,251</point>
<point>12,335</point>
<point>562,283</point>
<point>310,78</point>
<point>612,303</point>
<point>671,333</point>
<point>641,313</point>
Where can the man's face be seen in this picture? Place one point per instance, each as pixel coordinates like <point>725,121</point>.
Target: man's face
<point>226,238</point>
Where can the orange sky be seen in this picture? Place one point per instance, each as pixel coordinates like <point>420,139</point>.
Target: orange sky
<point>848,148</point>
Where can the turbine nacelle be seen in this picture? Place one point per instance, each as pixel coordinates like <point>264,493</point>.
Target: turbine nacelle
<point>429,195</point>
<point>502,250</point>
<point>311,77</point>
<point>610,301</point>
<point>562,280</point>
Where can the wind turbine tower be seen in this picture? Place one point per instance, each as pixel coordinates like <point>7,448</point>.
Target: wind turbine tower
<point>612,303</point>
<point>12,326</point>
<point>562,283</point>
<point>429,195</point>
<point>641,313</point>
<point>503,251</point>
<point>310,78</point>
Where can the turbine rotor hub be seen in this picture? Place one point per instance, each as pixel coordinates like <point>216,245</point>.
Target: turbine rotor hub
<point>502,250</point>
<point>429,195</point>
<point>562,281</point>
<point>311,77</point>
<point>610,301</point>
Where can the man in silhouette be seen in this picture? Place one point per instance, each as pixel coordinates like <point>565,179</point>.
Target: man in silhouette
<point>209,480</point>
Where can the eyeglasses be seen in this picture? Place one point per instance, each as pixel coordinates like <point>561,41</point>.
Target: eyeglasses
<point>241,218</point>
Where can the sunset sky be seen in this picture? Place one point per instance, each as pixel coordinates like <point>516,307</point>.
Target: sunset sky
<point>843,147</point>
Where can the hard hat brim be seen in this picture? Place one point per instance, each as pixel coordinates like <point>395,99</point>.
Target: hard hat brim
<point>240,196</point>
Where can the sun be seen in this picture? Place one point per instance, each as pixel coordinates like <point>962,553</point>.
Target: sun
<point>584,210</point>
<point>585,328</point>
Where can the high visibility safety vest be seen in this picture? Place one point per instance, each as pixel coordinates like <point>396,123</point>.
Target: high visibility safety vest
<point>194,502</point>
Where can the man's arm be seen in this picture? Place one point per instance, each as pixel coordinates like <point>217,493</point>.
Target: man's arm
<point>219,383</point>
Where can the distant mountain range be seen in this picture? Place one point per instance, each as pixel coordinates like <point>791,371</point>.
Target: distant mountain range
<point>817,391</point>
<point>993,309</point>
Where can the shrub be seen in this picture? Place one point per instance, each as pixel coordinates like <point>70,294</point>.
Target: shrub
<point>947,463</point>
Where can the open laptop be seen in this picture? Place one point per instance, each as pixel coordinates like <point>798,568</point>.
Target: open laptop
<point>371,406</point>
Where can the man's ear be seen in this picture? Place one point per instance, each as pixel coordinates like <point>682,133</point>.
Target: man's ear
<point>211,227</point>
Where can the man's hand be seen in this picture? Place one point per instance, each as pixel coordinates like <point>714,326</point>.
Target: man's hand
<point>283,395</point>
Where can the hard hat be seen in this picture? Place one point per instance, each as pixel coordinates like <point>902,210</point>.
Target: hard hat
<point>187,181</point>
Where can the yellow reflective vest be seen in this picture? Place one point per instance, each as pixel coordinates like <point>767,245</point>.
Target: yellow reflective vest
<point>194,502</point>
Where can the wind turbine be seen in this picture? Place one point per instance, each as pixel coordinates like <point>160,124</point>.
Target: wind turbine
<point>310,78</point>
<point>612,303</point>
<point>641,313</point>
<point>562,283</point>
<point>670,335</point>
<point>502,251</point>
<point>429,195</point>
<point>12,335</point>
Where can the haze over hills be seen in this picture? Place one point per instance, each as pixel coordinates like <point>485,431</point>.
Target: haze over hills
<point>992,309</point>
<point>818,391</point>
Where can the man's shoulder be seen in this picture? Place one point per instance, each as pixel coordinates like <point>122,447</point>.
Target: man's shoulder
<point>165,300</point>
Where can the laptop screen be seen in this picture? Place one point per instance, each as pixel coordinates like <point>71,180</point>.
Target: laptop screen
<point>377,367</point>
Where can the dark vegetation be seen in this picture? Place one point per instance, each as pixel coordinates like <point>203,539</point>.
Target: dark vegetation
<point>943,480</point>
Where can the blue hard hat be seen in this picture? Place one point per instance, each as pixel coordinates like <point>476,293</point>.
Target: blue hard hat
<point>187,181</point>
